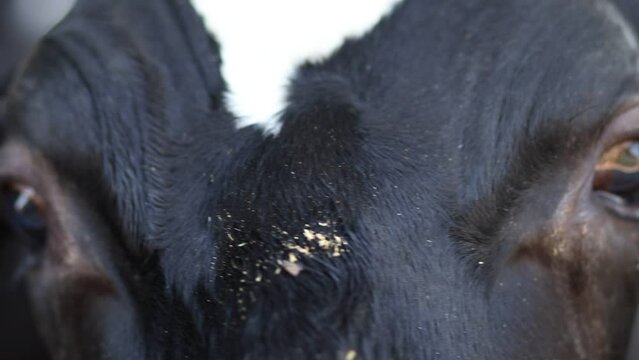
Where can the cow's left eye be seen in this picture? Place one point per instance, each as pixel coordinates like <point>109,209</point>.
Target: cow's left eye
<point>617,175</point>
<point>24,211</point>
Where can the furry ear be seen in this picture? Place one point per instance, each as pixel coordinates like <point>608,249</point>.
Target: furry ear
<point>144,75</point>
<point>169,32</point>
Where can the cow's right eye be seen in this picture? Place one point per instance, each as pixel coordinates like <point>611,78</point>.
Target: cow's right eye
<point>617,178</point>
<point>24,211</point>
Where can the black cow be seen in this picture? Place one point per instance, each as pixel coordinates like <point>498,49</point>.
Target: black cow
<point>459,183</point>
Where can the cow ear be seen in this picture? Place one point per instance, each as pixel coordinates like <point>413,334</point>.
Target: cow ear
<point>168,33</point>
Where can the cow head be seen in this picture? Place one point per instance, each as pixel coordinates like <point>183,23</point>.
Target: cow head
<point>460,182</point>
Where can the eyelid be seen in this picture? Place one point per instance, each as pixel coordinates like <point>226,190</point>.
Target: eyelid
<point>19,165</point>
<point>623,126</point>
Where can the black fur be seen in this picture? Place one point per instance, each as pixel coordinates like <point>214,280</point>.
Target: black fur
<point>412,151</point>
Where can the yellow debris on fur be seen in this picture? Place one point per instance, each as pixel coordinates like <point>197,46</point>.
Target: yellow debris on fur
<point>351,355</point>
<point>309,244</point>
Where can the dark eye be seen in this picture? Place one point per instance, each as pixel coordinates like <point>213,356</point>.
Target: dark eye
<point>617,178</point>
<point>24,211</point>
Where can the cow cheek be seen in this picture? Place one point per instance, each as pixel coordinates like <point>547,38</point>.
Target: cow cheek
<point>81,305</point>
<point>526,314</point>
<point>70,309</point>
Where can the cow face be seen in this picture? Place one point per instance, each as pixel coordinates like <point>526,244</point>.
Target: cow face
<point>458,183</point>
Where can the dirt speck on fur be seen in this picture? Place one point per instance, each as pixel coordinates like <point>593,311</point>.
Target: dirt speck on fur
<point>293,268</point>
<point>350,355</point>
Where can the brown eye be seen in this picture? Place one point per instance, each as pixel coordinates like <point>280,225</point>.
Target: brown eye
<point>24,211</point>
<point>617,178</point>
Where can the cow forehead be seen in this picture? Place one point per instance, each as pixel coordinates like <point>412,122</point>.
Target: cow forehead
<point>263,42</point>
